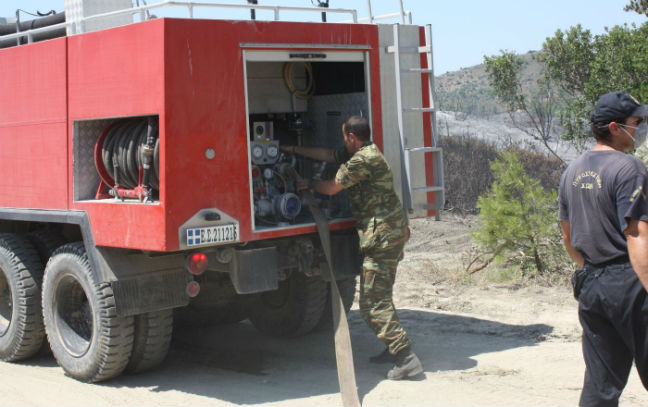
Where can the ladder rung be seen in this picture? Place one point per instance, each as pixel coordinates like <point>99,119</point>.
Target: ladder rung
<point>409,50</point>
<point>429,206</point>
<point>428,189</point>
<point>419,109</point>
<point>424,149</point>
<point>418,70</point>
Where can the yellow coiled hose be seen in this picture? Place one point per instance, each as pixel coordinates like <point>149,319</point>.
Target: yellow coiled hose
<point>308,91</point>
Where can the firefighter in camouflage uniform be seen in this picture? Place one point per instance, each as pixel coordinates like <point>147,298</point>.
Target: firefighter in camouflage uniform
<point>382,228</point>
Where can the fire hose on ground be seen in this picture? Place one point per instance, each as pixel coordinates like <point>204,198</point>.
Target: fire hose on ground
<point>343,349</point>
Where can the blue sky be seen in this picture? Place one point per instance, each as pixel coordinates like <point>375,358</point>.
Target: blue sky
<point>463,31</point>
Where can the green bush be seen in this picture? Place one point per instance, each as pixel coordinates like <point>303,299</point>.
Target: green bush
<point>518,222</point>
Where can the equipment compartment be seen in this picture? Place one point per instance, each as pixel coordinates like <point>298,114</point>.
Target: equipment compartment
<point>298,98</point>
<point>117,158</point>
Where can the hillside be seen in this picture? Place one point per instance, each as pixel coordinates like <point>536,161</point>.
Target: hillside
<point>467,89</point>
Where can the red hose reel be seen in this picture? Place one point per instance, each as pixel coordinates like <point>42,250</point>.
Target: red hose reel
<point>126,157</point>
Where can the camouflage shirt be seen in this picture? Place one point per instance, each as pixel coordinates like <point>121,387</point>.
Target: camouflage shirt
<point>380,218</point>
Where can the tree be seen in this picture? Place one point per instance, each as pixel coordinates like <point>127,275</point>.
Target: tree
<point>537,109</point>
<point>584,67</point>
<point>518,221</point>
<point>568,58</point>
<point>638,6</point>
<point>578,68</point>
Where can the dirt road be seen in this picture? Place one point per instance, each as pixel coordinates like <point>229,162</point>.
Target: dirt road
<point>487,346</point>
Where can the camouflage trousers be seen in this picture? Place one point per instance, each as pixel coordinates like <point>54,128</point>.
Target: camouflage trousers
<point>376,304</point>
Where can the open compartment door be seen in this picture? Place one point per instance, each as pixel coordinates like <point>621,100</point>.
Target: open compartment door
<point>298,97</point>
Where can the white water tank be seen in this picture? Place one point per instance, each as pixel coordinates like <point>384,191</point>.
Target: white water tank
<point>75,10</point>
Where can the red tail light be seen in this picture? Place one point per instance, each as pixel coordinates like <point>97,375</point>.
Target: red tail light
<point>197,263</point>
<point>193,288</point>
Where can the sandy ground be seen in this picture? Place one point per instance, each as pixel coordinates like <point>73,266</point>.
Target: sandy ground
<point>482,345</point>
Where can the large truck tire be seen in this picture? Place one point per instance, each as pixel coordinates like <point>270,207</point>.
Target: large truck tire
<point>87,337</point>
<point>347,288</point>
<point>45,241</point>
<point>196,314</point>
<point>294,309</point>
<point>152,339</point>
<point>21,324</point>
<point>234,312</point>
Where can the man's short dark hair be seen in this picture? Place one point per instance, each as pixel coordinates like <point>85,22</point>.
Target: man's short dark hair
<point>359,126</point>
<point>601,130</point>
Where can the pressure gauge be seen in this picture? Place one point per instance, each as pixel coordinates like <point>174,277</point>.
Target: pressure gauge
<point>272,151</point>
<point>267,173</point>
<point>257,152</point>
<point>259,129</point>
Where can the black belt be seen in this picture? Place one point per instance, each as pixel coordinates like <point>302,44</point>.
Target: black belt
<point>618,260</point>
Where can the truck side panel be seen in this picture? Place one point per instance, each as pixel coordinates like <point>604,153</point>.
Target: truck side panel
<point>187,73</point>
<point>33,117</point>
<point>119,73</point>
<point>205,105</point>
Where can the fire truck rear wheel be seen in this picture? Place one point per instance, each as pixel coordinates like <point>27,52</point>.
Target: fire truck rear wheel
<point>232,313</point>
<point>196,314</point>
<point>87,337</point>
<point>21,325</point>
<point>152,339</point>
<point>45,241</point>
<point>293,309</point>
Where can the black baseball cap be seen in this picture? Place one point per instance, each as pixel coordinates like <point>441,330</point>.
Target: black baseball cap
<point>617,105</point>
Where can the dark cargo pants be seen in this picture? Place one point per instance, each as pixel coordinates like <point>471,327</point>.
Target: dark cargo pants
<point>376,303</point>
<point>613,310</point>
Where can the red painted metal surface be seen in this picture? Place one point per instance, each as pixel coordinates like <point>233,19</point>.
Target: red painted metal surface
<point>119,73</point>
<point>205,106</point>
<point>105,177</point>
<point>190,74</point>
<point>33,143</point>
<point>427,127</point>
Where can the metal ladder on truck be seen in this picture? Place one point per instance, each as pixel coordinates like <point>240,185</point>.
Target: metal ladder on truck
<point>406,151</point>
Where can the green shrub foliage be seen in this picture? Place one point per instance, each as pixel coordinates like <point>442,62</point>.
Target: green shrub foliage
<point>517,221</point>
<point>585,66</point>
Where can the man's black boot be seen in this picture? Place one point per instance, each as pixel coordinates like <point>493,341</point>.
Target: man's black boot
<point>408,366</point>
<point>383,357</point>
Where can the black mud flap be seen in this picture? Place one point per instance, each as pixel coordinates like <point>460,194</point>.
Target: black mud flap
<point>255,270</point>
<point>150,292</point>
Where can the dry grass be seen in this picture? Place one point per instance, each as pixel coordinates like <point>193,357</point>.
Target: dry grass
<point>439,252</point>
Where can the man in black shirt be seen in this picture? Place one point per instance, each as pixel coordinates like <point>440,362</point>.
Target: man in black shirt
<point>604,219</point>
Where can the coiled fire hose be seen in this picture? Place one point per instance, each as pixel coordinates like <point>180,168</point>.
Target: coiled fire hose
<point>128,145</point>
<point>343,350</point>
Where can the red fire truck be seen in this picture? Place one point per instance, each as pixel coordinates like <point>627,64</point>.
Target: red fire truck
<point>140,171</point>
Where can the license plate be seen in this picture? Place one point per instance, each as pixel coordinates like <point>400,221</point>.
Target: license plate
<point>213,234</point>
